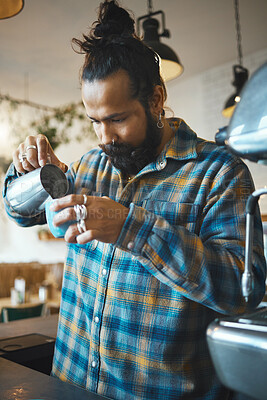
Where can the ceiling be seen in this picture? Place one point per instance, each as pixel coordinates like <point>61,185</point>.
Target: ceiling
<point>38,63</point>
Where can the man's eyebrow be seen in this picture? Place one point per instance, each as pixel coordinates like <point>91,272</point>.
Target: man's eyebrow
<point>111,116</point>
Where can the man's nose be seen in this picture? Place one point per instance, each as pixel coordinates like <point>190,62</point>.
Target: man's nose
<point>107,133</point>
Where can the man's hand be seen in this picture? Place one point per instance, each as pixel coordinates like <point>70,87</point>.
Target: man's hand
<point>34,153</point>
<point>104,221</point>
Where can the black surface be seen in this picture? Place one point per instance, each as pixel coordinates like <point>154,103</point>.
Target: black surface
<point>34,351</point>
<point>21,383</point>
<point>24,342</point>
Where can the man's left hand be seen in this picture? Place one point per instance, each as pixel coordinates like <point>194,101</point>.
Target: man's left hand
<point>104,220</point>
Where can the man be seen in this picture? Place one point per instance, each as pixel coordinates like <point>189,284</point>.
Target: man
<point>160,250</point>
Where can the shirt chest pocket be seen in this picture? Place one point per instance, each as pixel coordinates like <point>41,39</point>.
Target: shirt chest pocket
<point>182,214</point>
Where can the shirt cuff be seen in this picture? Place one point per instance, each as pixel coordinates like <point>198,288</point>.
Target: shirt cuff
<point>136,229</point>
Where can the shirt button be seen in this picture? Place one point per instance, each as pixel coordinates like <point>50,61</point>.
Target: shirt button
<point>96,319</point>
<point>104,272</point>
<point>93,364</point>
<point>160,267</point>
<point>130,245</point>
<point>162,164</point>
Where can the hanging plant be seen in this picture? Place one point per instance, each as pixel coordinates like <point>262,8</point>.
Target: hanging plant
<point>59,124</point>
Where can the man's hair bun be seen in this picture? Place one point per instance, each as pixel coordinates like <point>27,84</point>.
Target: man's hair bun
<point>112,45</point>
<point>113,20</point>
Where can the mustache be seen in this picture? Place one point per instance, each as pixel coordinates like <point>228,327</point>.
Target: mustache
<point>127,158</point>
<point>118,150</point>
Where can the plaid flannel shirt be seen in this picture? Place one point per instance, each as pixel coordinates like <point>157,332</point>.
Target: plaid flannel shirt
<point>134,314</point>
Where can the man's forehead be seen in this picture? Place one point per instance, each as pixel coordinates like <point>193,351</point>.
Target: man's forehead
<point>107,97</point>
<point>117,82</point>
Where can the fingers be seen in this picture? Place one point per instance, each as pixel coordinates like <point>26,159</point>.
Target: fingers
<point>30,154</point>
<point>80,231</point>
<point>24,158</point>
<point>44,150</point>
<point>101,218</point>
<point>87,236</point>
<point>70,201</point>
<point>67,214</point>
<point>46,154</point>
<point>35,152</point>
<point>74,234</point>
<point>71,208</point>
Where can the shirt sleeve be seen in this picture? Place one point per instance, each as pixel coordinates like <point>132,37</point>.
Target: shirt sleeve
<point>205,267</point>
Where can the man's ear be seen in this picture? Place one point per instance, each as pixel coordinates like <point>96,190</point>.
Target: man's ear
<point>157,100</point>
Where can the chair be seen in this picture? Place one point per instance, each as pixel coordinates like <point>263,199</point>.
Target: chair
<point>23,311</point>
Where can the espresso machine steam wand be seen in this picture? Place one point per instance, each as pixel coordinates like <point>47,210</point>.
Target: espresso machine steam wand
<point>247,277</point>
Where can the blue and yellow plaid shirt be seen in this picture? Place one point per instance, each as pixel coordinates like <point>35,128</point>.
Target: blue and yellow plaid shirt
<point>134,314</point>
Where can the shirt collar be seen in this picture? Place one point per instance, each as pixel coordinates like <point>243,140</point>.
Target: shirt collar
<point>183,145</point>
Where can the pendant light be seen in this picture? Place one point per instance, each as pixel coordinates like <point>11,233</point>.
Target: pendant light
<point>10,8</point>
<point>240,73</point>
<point>171,66</point>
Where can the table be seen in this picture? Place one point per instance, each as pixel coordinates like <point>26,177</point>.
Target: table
<point>18,382</point>
<point>51,304</point>
<point>43,325</point>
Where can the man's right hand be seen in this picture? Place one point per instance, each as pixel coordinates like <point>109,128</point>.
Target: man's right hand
<point>35,152</point>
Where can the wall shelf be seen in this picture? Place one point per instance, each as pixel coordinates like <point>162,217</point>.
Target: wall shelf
<point>46,235</point>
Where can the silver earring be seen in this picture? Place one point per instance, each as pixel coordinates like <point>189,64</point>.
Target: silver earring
<point>113,141</point>
<point>160,124</point>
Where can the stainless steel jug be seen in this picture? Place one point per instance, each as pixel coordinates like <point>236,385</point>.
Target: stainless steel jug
<point>28,194</point>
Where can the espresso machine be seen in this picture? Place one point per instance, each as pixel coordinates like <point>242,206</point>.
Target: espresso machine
<point>238,345</point>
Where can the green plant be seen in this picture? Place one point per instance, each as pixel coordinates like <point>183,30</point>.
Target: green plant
<point>59,124</point>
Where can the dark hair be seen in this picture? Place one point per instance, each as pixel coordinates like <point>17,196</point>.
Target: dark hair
<point>112,45</point>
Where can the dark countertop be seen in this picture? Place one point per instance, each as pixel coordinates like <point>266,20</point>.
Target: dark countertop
<point>18,382</point>
<point>21,383</point>
<point>43,325</point>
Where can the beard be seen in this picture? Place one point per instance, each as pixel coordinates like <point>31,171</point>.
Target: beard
<point>129,159</point>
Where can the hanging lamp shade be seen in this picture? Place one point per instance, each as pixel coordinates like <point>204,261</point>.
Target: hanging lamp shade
<point>240,78</point>
<point>171,66</point>
<point>240,73</point>
<point>9,8</point>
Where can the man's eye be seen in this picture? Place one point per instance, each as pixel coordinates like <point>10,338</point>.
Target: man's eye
<point>118,120</point>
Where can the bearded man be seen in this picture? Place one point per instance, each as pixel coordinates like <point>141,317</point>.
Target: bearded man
<point>159,252</point>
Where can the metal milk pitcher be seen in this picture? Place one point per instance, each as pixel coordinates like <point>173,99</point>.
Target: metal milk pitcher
<point>28,194</point>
